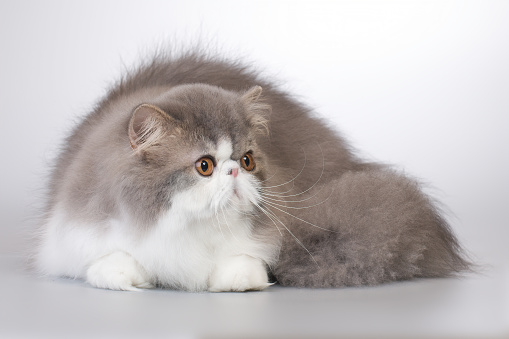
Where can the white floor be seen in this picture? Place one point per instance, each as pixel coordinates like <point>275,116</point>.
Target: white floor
<point>475,306</point>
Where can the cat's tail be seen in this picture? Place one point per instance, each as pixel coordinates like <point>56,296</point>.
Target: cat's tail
<point>381,228</point>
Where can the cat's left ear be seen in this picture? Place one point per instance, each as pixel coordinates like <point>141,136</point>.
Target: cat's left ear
<point>258,111</point>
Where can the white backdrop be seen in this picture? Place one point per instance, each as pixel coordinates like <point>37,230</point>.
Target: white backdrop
<point>423,85</point>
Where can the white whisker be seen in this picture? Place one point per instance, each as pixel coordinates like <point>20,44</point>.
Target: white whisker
<point>227,224</point>
<point>270,217</point>
<point>291,233</point>
<point>219,224</point>
<point>273,175</point>
<point>301,170</point>
<point>305,221</point>
<point>281,194</point>
<point>231,205</point>
<point>270,196</point>
<point>270,201</point>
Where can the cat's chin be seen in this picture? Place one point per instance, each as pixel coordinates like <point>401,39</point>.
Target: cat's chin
<point>240,203</point>
<point>236,198</point>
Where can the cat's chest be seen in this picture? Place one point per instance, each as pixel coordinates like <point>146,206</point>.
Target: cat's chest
<point>179,248</point>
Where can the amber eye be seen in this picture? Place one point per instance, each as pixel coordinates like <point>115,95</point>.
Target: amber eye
<point>205,166</point>
<point>248,162</point>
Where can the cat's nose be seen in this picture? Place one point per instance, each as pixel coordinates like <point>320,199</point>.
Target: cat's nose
<point>233,171</point>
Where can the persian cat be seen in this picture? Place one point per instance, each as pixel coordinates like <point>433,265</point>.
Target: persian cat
<point>195,173</point>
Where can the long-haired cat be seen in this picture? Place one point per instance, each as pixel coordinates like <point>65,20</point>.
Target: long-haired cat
<point>195,173</point>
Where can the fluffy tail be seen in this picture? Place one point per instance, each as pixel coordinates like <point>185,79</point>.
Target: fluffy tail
<point>381,228</point>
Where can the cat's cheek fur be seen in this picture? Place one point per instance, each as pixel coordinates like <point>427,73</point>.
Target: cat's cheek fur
<point>237,274</point>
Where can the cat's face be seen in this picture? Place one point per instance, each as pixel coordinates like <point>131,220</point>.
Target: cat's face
<point>200,141</point>
<point>222,182</point>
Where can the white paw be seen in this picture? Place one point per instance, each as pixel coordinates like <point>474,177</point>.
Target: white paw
<point>239,273</point>
<point>118,271</point>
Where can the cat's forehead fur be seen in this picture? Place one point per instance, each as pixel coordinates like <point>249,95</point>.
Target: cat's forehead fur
<point>209,115</point>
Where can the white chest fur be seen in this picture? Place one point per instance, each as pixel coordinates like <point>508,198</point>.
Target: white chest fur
<point>215,253</point>
<point>183,253</point>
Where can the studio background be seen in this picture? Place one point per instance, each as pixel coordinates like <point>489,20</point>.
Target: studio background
<point>423,85</point>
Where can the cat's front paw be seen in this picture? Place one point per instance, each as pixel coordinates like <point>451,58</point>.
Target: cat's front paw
<point>237,274</point>
<point>118,271</point>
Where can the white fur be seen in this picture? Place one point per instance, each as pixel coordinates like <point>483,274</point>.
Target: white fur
<point>203,242</point>
<point>224,149</point>
<point>238,273</point>
<point>118,271</point>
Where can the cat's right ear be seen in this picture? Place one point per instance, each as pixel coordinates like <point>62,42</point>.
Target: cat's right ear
<point>147,126</point>
<point>258,111</point>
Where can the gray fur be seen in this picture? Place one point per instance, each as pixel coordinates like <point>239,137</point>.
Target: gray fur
<point>380,227</point>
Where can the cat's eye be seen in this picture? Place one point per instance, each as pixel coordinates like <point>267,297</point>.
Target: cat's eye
<point>248,162</point>
<point>205,166</point>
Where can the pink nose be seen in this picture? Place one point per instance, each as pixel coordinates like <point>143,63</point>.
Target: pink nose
<point>234,172</point>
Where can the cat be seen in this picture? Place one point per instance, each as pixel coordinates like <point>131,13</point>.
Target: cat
<point>195,173</point>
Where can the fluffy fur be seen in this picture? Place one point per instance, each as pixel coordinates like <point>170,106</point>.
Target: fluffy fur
<point>128,207</point>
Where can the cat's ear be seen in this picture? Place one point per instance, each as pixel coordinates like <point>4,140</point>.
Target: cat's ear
<point>252,94</point>
<point>258,111</point>
<point>147,126</point>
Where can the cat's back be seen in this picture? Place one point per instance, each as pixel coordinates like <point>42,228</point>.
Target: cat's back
<point>103,132</point>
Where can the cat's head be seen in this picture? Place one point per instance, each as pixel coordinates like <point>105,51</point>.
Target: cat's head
<point>196,145</point>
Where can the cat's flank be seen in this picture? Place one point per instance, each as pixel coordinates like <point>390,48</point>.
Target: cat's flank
<point>194,173</point>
